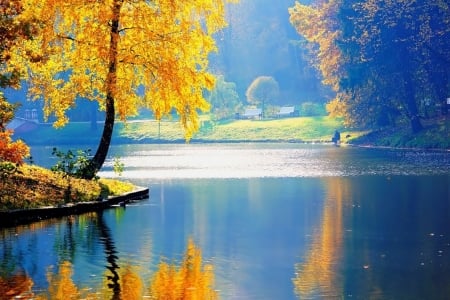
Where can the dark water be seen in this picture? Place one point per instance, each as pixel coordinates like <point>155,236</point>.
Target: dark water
<point>276,221</point>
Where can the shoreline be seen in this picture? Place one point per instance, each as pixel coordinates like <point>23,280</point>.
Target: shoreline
<point>255,141</point>
<point>25,216</point>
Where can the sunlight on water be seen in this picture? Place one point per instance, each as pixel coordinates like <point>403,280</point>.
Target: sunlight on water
<point>280,160</point>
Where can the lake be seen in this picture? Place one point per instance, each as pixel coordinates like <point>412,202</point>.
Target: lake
<point>275,221</point>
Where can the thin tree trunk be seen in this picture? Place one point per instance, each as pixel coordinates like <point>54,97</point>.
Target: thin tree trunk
<point>413,112</point>
<point>105,141</point>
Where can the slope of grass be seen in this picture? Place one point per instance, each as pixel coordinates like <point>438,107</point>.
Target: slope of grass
<point>33,186</point>
<point>435,135</point>
<point>282,130</point>
<point>302,129</point>
<point>289,129</point>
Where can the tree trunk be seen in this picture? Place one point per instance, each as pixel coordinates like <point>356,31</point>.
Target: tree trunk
<point>413,112</point>
<point>102,151</point>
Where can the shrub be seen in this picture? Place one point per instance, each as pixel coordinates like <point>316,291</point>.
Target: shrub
<point>10,151</point>
<point>311,109</point>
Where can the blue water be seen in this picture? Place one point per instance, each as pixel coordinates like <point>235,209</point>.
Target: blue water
<point>277,221</point>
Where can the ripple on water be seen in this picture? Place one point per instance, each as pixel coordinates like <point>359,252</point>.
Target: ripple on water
<point>279,160</point>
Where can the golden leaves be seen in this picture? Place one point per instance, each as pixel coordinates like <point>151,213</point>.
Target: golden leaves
<point>162,49</point>
<point>317,24</point>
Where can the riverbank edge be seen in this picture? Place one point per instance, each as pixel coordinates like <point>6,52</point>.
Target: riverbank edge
<point>25,216</point>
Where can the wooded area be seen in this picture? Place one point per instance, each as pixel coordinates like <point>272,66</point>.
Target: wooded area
<point>387,61</point>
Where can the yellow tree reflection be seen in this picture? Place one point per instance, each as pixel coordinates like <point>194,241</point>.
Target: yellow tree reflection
<point>191,280</point>
<point>318,274</point>
<point>61,285</point>
<point>131,284</point>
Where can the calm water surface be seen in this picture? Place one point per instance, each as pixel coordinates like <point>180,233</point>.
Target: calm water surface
<point>277,221</point>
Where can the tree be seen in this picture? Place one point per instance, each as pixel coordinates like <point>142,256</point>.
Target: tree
<point>125,54</point>
<point>390,55</point>
<point>319,25</point>
<point>10,151</point>
<point>263,90</point>
<point>224,99</point>
<point>10,33</point>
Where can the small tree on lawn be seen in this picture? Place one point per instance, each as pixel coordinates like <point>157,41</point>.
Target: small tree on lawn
<point>262,90</point>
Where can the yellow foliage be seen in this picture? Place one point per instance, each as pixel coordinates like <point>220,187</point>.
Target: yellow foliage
<point>317,24</point>
<point>131,285</point>
<point>192,280</point>
<point>61,286</point>
<point>158,59</point>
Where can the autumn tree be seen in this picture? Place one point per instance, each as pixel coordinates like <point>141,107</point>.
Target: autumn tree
<point>262,90</point>
<point>125,54</point>
<point>391,56</point>
<point>10,151</point>
<point>319,25</point>
<point>399,57</point>
<point>11,31</point>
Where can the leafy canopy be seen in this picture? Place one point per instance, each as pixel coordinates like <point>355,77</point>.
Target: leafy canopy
<point>263,89</point>
<point>161,56</point>
<point>383,58</point>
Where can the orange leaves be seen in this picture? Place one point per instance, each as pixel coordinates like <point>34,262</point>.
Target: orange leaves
<point>18,286</point>
<point>11,151</point>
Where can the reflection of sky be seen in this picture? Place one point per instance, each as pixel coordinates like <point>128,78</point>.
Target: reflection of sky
<point>273,160</point>
<point>261,233</point>
<point>251,230</point>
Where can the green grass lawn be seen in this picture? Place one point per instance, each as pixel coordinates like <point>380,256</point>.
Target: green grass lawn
<point>151,131</point>
<point>283,130</point>
<point>299,129</point>
<point>289,129</point>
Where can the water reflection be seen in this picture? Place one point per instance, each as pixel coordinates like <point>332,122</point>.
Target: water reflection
<point>17,285</point>
<point>379,237</point>
<point>355,223</point>
<point>191,279</point>
<point>270,160</point>
<point>318,275</point>
<point>111,257</point>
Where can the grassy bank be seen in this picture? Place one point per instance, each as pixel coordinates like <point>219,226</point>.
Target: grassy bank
<point>304,129</point>
<point>33,186</point>
<point>435,135</point>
